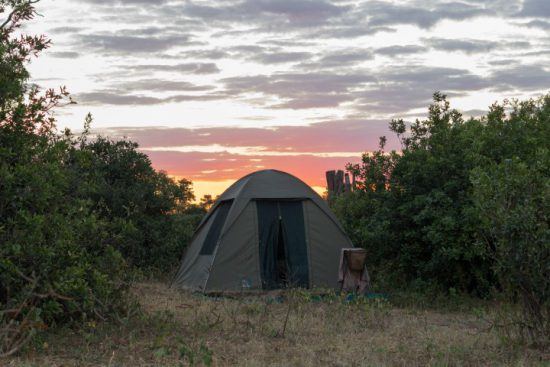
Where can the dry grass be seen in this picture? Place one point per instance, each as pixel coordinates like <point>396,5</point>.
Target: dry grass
<point>290,329</point>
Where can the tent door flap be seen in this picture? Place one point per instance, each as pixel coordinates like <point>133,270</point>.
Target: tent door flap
<point>282,242</point>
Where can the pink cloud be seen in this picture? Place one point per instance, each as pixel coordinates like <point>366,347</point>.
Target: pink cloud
<point>329,136</point>
<point>304,151</point>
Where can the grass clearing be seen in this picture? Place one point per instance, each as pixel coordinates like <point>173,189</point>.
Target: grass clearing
<point>280,329</point>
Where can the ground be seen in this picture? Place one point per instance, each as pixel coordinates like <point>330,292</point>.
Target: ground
<point>294,328</point>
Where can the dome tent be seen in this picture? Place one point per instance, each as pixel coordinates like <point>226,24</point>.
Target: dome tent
<point>268,230</point>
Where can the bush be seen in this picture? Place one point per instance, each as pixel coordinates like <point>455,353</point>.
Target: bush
<point>75,214</point>
<point>149,214</point>
<point>417,212</point>
<point>56,261</point>
<point>513,199</point>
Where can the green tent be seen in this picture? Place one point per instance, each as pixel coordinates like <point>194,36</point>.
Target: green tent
<point>268,230</point>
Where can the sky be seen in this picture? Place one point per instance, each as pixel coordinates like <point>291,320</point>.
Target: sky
<point>213,90</point>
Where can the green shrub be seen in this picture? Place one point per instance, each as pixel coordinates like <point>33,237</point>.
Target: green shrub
<point>75,214</point>
<point>416,212</point>
<point>57,264</point>
<point>150,215</point>
<point>513,199</point>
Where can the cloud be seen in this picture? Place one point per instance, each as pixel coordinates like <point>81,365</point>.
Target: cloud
<point>346,57</point>
<point>434,78</point>
<point>220,153</point>
<point>313,101</point>
<point>161,85</point>
<point>391,99</point>
<point>299,90</point>
<point>393,89</point>
<point>342,135</point>
<point>304,12</point>
<point>120,98</point>
<point>465,45</point>
<point>404,88</point>
<point>191,68</point>
<point>344,31</point>
<point>151,31</point>
<point>525,77</point>
<point>305,151</point>
<point>61,30</point>
<point>112,98</point>
<point>503,62</point>
<point>117,44</point>
<point>535,8</point>
<point>471,46</point>
<point>126,2</point>
<point>400,50</point>
<point>211,54</point>
<point>382,13</point>
<point>337,19</point>
<point>278,57</point>
<point>64,54</point>
<point>542,52</point>
<point>265,55</point>
<point>541,24</point>
<point>292,13</point>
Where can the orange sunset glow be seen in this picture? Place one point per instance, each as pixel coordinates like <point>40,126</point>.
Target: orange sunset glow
<point>213,158</point>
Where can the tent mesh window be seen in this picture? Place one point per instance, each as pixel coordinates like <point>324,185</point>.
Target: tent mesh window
<point>283,249</point>
<point>214,232</point>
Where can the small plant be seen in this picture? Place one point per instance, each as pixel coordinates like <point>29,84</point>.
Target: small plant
<point>195,355</point>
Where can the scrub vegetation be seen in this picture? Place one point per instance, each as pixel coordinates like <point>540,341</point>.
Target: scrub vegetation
<point>456,226</point>
<point>463,208</point>
<point>79,215</point>
<point>291,328</point>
